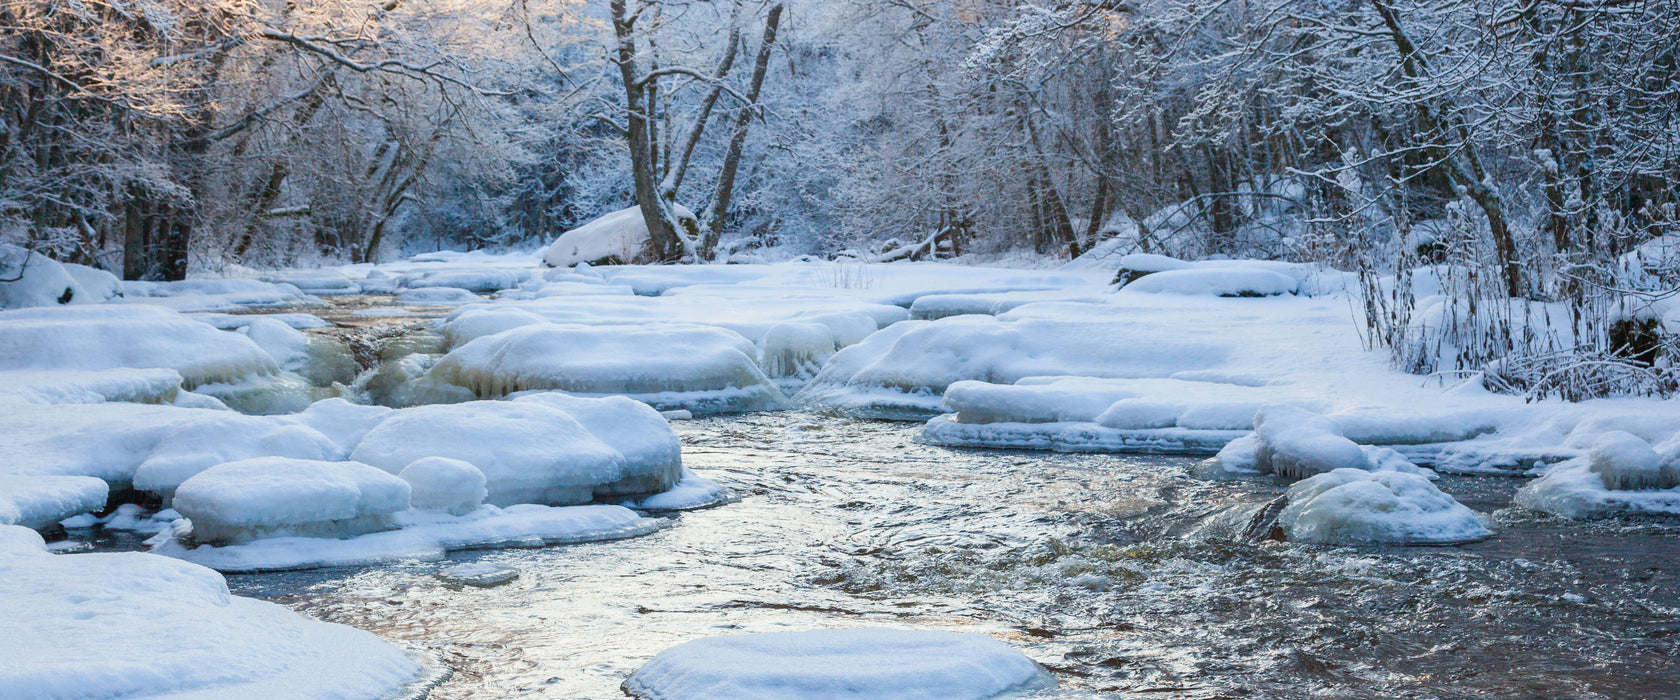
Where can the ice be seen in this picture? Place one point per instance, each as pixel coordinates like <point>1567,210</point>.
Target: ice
<point>936,306</point>
<point>131,625</point>
<point>478,279</point>
<point>228,322</point>
<point>253,499</point>
<point>795,350</point>
<point>1354,506</point>
<point>288,347</point>
<point>692,493</point>
<point>1216,281</point>
<point>619,237</point>
<point>1296,444</point>
<point>421,535</point>
<point>443,484</point>
<point>101,337</point>
<point>199,444</point>
<point>41,501</point>
<point>344,422</point>
<point>478,574</point>
<point>528,452</point>
<point>1626,463</point>
<point>652,453</point>
<point>283,393</point>
<point>37,280</point>
<point>437,296</point>
<point>702,369</point>
<point>479,321</point>
<point>843,663</point>
<point>1136,414</point>
<point>1572,489</point>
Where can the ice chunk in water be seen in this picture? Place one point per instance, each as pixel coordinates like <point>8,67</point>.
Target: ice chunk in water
<point>795,350</point>
<point>1353,506</point>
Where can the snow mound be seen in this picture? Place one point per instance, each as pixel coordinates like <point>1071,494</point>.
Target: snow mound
<point>135,625</point>
<point>41,501</point>
<point>101,337</point>
<point>478,279</point>
<point>1353,506</point>
<point>620,237</point>
<point>154,385</point>
<point>702,369</point>
<point>851,663</point>
<point>1234,281</point>
<point>97,285</point>
<point>253,499</point>
<point>204,442</point>
<point>652,453</point>
<point>1296,444</point>
<point>692,493</point>
<point>214,294</point>
<point>936,306</point>
<point>529,453</point>
<point>319,282</point>
<point>437,296</point>
<point>1626,463</point>
<point>443,484</point>
<point>36,280</point>
<point>419,535</point>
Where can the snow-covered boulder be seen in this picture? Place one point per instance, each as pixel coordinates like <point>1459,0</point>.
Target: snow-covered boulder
<point>1620,475</point>
<point>528,452</point>
<point>702,369</point>
<point>652,453</point>
<point>1223,281</point>
<point>288,346</point>
<point>1626,463</point>
<point>40,501</point>
<point>217,438</point>
<point>437,296</point>
<point>28,278</point>
<point>213,294</point>
<point>479,279</point>
<point>1136,265</point>
<point>1354,506</point>
<point>617,238</point>
<point>1295,444</point>
<point>267,497</point>
<point>443,484</point>
<point>320,282</point>
<point>849,663</point>
<point>97,285</point>
<point>134,625</point>
<point>99,337</point>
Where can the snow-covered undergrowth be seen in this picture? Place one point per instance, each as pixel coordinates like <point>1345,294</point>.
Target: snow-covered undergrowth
<point>139,625</point>
<point>860,663</point>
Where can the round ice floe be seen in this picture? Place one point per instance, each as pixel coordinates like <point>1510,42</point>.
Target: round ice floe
<point>1296,443</point>
<point>478,574</point>
<point>854,663</point>
<point>1353,506</point>
<point>1626,463</point>
<point>444,484</point>
<point>437,296</point>
<point>529,453</point>
<point>253,499</point>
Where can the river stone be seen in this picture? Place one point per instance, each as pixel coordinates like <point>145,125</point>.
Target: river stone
<point>851,663</point>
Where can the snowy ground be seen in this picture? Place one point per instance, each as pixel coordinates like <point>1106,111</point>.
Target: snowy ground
<point>514,396</point>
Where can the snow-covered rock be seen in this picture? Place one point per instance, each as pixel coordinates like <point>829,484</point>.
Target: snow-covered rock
<point>528,452</point>
<point>702,369</point>
<point>213,294</point>
<point>40,501</point>
<point>288,346</point>
<point>100,337</point>
<point>1296,444</point>
<point>443,484</point>
<point>134,625</point>
<point>1354,506</point>
<point>437,296</point>
<point>1626,463</point>
<point>36,280</point>
<point>692,493</point>
<point>97,285</point>
<point>620,237</point>
<point>478,279</point>
<point>652,453</point>
<point>320,282</point>
<point>204,441</point>
<point>848,663</point>
<point>253,499</point>
<point>1216,281</point>
<point>1620,475</point>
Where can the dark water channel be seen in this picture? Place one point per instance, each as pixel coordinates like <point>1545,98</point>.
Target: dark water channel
<point>1116,572</point>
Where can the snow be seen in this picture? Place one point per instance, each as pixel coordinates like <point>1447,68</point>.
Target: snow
<point>319,282</point>
<point>155,385</point>
<point>846,663</point>
<point>135,625</point>
<point>41,501</point>
<point>621,236</point>
<point>651,451</point>
<point>443,484</point>
<point>1624,462</point>
<point>1296,444</point>
<point>288,346</point>
<point>437,296</point>
<point>37,281</point>
<point>699,368</point>
<point>477,279</point>
<point>210,294</point>
<point>201,442</point>
<point>1620,475</point>
<point>228,322</point>
<point>252,499</point>
<point>97,285</point>
<point>1216,281</point>
<point>1353,506</point>
<point>101,337</point>
<point>419,535</point>
<point>528,452</point>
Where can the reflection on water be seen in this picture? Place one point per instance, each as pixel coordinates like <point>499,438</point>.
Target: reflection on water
<point>1120,574</point>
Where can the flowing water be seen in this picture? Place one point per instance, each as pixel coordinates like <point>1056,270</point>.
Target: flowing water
<point>1122,574</point>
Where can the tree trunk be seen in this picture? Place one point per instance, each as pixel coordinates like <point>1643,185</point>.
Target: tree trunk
<point>738,140</point>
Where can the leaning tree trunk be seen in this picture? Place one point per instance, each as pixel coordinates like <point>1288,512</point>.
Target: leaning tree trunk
<point>738,140</point>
